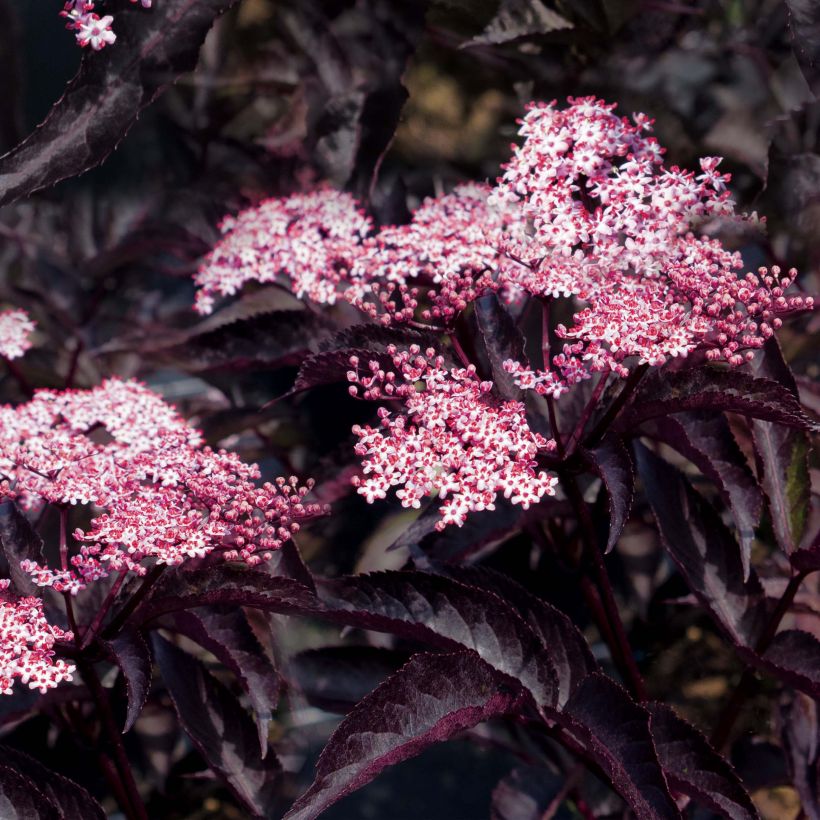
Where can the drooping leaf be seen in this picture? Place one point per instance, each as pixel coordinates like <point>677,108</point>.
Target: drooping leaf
<point>336,678</point>
<point>70,799</point>
<point>528,793</point>
<point>707,441</point>
<point>103,101</point>
<point>428,700</point>
<point>615,732</point>
<point>130,652</point>
<point>20,799</point>
<point>219,727</point>
<point>20,542</point>
<point>783,458</point>
<point>520,18</point>
<point>502,340</point>
<point>225,632</point>
<point>799,731</point>
<point>612,462</point>
<point>442,612</point>
<point>662,392</point>
<point>703,548</point>
<point>695,769</point>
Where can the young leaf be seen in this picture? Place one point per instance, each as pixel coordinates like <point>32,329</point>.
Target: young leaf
<point>528,793</point>
<point>707,441</point>
<point>20,542</point>
<point>429,700</point>
<point>703,548</point>
<point>442,612</point>
<point>612,462</point>
<point>20,799</point>
<point>783,457</point>
<point>130,652</point>
<point>70,799</point>
<point>695,769</point>
<point>219,727</point>
<point>502,340</point>
<point>226,633</point>
<point>614,731</point>
<point>103,101</point>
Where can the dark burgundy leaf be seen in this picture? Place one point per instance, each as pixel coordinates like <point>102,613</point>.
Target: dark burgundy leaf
<point>429,700</point>
<point>279,338</point>
<point>520,18</point>
<point>103,101</point>
<point>130,652</point>
<point>614,731</point>
<point>377,338</point>
<point>336,678</point>
<point>71,800</point>
<point>219,728</point>
<point>442,612</point>
<point>226,633</point>
<point>804,27</point>
<point>695,769</point>
<point>799,730</point>
<point>703,548</point>
<point>794,657</point>
<point>528,793</point>
<point>20,799</point>
<point>502,340</point>
<point>707,441</point>
<point>783,458</point>
<point>332,366</point>
<point>563,641</point>
<point>287,562</point>
<point>663,392</point>
<point>20,542</point>
<point>612,462</point>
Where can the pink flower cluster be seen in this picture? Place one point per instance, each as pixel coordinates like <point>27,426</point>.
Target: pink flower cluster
<point>156,492</point>
<point>606,222</point>
<point>307,240</point>
<point>15,329</point>
<point>453,439</point>
<point>89,28</point>
<point>26,645</point>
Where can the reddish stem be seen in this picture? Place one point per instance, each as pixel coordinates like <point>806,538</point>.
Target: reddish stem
<point>134,601</point>
<point>94,627</point>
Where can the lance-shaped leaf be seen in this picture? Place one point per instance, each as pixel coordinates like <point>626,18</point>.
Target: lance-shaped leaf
<point>614,731</point>
<point>783,458</point>
<point>103,101</point>
<point>800,730</point>
<point>520,18</point>
<point>20,542</point>
<point>431,699</point>
<point>130,652</point>
<point>502,340</point>
<point>226,633</point>
<point>804,28</point>
<point>444,613</point>
<point>219,727</point>
<point>707,441</point>
<point>612,463</point>
<point>336,678</point>
<point>20,799</point>
<point>703,548</point>
<point>695,769</point>
<point>794,657</point>
<point>70,799</point>
<point>529,793</point>
<point>706,388</point>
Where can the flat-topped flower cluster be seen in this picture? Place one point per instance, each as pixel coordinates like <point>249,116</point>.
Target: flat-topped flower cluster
<point>157,495</point>
<point>16,328</point>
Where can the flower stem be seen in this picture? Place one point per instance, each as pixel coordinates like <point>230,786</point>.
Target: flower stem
<point>748,680</point>
<point>93,628</point>
<point>134,601</point>
<point>617,405</point>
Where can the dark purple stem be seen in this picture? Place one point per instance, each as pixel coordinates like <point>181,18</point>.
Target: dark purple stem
<point>617,405</point>
<point>134,601</point>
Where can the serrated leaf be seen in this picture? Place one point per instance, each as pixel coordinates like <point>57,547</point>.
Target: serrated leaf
<point>336,678</point>
<point>528,793</point>
<point>704,550</point>
<point>130,652</point>
<point>783,458</point>
<point>71,800</point>
<point>20,542</point>
<point>442,612</point>
<point>613,464</point>
<point>663,392</point>
<point>520,18</point>
<point>707,441</point>
<point>20,799</point>
<point>226,633</point>
<point>695,769</point>
<point>793,656</point>
<point>502,340</point>
<point>103,101</point>
<point>429,700</point>
<point>219,727</point>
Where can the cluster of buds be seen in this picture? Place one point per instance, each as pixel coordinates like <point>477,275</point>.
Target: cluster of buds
<point>453,439</point>
<point>15,329</point>
<point>89,28</point>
